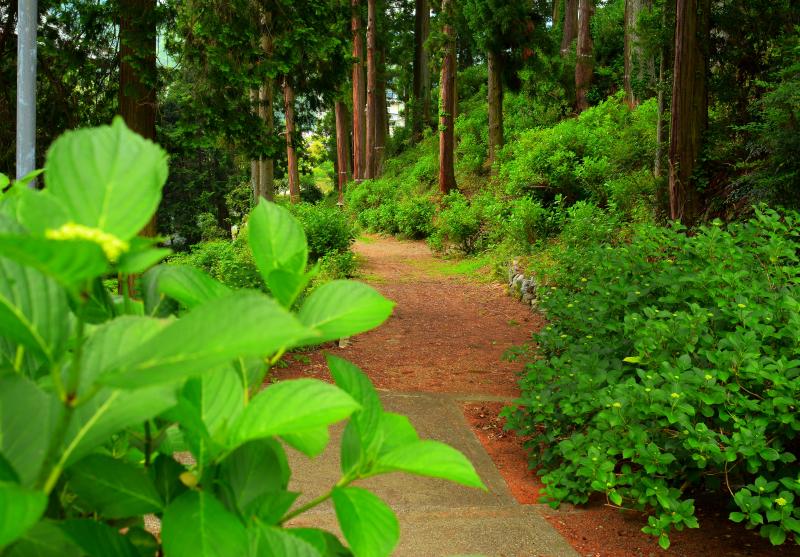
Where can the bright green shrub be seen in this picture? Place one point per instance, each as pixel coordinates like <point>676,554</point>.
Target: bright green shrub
<point>670,366</point>
<point>229,262</point>
<point>586,224</point>
<point>327,229</point>
<point>414,217</point>
<point>457,224</point>
<point>530,222</point>
<point>209,228</point>
<point>633,195</point>
<point>97,394</point>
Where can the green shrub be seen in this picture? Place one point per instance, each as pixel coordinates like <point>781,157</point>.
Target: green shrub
<point>530,222</point>
<point>327,229</point>
<point>457,224</point>
<point>229,262</point>
<point>98,394</point>
<point>209,229</point>
<point>335,266</point>
<point>414,217</point>
<point>670,366</point>
<point>586,224</point>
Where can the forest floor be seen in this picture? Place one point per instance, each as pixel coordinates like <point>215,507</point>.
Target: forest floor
<point>445,341</point>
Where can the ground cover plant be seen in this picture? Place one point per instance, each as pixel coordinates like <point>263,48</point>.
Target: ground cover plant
<point>670,368</point>
<point>97,392</point>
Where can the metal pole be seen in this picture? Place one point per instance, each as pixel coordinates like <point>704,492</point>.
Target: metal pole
<point>27,21</point>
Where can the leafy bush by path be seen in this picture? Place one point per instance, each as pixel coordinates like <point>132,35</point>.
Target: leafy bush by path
<point>670,366</point>
<point>229,262</point>
<point>327,229</point>
<point>97,393</point>
<point>414,217</point>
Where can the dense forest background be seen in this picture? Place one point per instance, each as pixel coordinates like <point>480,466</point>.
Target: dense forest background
<point>222,85</point>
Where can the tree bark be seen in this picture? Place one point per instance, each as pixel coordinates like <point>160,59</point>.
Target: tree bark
<point>381,114</point>
<point>585,55</point>
<point>447,175</point>
<point>342,147</point>
<point>137,73</point>
<point>495,105</point>
<point>421,107</point>
<point>266,96</point>
<point>255,164</point>
<point>359,94</point>
<point>570,29</point>
<point>662,81</point>
<point>689,107</point>
<point>634,59</point>
<point>372,84</point>
<point>556,11</point>
<point>291,154</point>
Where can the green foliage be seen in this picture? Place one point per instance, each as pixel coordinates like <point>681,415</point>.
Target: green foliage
<point>414,217</point>
<point>98,393</point>
<point>458,223</point>
<point>669,366</point>
<point>229,262</point>
<point>326,227</point>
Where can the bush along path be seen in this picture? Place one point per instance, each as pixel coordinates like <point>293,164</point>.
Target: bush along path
<point>439,359</point>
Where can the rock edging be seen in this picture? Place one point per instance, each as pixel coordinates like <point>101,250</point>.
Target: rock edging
<point>520,286</point>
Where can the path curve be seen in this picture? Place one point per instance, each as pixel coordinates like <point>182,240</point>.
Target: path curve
<point>448,333</point>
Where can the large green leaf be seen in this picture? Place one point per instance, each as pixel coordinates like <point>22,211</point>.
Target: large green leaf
<point>286,286</point>
<point>432,459</point>
<point>165,472</point>
<point>276,239</point>
<point>108,178</point>
<point>242,324</point>
<point>116,489</point>
<point>97,539</point>
<point>110,411</point>
<point>25,422</point>
<point>33,310</point>
<point>111,339</point>
<point>291,407</point>
<point>343,308</point>
<point>189,285</point>
<point>353,381</point>
<point>69,262</point>
<point>253,470</point>
<point>269,541</point>
<point>198,525</point>
<point>324,542</point>
<point>310,442</point>
<point>45,539</point>
<point>20,508</point>
<point>368,524</point>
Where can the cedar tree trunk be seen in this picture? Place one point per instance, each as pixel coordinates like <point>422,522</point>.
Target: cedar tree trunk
<point>570,29</point>
<point>421,107</point>
<point>359,93</point>
<point>342,147</point>
<point>585,55</point>
<point>372,84</point>
<point>689,107</point>
<point>291,154</point>
<point>495,105</point>
<point>447,175</point>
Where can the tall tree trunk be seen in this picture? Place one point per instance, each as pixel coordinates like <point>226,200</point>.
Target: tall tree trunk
<point>495,104</point>
<point>255,164</point>
<point>447,175</point>
<point>556,11</point>
<point>421,107</point>
<point>689,106</point>
<point>570,30</point>
<point>359,94</point>
<point>342,147</point>
<point>266,171</point>
<point>662,82</point>
<point>137,73</point>
<point>372,84</point>
<point>381,114</point>
<point>585,55</point>
<point>291,154</point>
<point>266,96</point>
<point>634,59</point>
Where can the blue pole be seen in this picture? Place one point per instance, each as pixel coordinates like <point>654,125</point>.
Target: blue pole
<point>27,16</point>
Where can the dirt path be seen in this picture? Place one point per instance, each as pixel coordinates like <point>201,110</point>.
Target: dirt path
<point>447,333</point>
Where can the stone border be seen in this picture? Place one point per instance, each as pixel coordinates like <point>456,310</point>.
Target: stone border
<point>520,286</point>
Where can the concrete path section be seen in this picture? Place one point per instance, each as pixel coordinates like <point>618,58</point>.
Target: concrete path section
<point>437,518</point>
